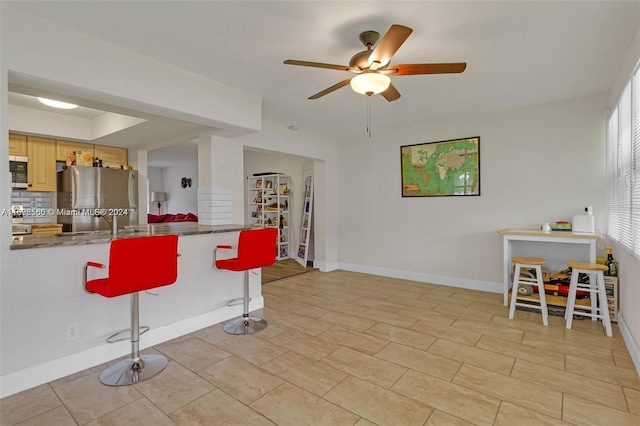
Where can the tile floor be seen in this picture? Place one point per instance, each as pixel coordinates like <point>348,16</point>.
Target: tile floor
<point>351,349</point>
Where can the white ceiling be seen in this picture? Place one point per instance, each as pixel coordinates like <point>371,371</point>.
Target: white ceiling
<point>517,53</point>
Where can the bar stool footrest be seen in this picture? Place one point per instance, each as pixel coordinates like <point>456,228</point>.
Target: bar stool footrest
<point>130,371</point>
<point>114,338</point>
<point>245,325</point>
<point>237,301</point>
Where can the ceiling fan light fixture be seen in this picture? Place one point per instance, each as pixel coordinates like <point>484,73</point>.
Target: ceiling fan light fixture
<point>57,104</point>
<point>370,83</point>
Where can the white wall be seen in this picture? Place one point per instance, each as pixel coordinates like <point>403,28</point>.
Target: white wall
<point>538,164</point>
<point>179,199</point>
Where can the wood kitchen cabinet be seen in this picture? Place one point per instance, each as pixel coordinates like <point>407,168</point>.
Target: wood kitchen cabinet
<point>111,156</point>
<point>17,144</point>
<point>65,149</point>
<point>41,172</point>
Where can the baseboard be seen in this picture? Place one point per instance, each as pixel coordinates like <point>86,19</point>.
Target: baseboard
<point>489,286</point>
<point>629,341</point>
<point>324,266</point>
<point>28,378</point>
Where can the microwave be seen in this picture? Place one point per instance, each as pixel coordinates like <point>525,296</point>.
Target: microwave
<point>18,168</point>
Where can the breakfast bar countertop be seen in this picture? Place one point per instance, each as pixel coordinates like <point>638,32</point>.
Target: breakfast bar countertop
<point>103,237</point>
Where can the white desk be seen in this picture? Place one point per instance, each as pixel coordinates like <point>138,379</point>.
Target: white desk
<point>509,236</point>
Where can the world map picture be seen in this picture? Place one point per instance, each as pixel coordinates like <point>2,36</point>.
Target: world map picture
<point>437,169</point>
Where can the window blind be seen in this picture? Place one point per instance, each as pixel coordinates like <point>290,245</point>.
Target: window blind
<point>623,167</point>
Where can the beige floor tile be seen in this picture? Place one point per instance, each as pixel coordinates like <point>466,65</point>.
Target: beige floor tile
<point>622,359</point>
<point>291,405</point>
<point>514,390</point>
<point>361,342</point>
<point>212,334</point>
<point>489,307</point>
<point>382,305</point>
<point>141,412</point>
<point>453,399</point>
<point>195,354</point>
<point>174,387</point>
<point>440,299</point>
<point>97,369</point>
<point>418,360</point>
<point>439,418</point>
<point>308,325</point>
<point>58,416</point>
<point>474,356</point>
<point>304,344</point>
<point>520,323</point>
<point>464,312</point>
<point>241,379</point>
<point>302,309</point>
<point>633,400</point>
<point>217,408</point>
<point>378,405</point>
<point>363,366</point>
<point>388,317</point>
<point>26,404</point>
<point>446,332</point>
<point>428,315</point>
<point>408,301</point>
<point>304,372</point>
<point>401,335</point>
<point>273,301</point>
<point>250,348</point>
<point>87,399</point>
<point>601,340</point>
<point>518,350</point>
<point>490,329</point>
<point>559,344</point>
<point>364,422</point>
<point>622,376</point>
<point>510,415</point>
<point>580,386</point>
<point>348,321</point>
<point>579,411</point>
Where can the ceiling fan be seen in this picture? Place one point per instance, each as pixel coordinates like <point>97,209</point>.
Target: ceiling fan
<point>373,68</point>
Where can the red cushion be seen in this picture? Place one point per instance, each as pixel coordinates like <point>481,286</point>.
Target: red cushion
<point>138,264</point>
<point>256,249</point>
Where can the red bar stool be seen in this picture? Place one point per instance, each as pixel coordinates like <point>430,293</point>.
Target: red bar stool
<point>256,249</point>
<point>135,265</point>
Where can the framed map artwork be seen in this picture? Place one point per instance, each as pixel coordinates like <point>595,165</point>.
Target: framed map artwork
<point>438,169</point>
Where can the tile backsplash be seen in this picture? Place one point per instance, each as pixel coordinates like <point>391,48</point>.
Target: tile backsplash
<point>37,203</point>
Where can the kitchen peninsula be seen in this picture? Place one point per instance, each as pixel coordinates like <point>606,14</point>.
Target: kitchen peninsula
<point>49,282</point>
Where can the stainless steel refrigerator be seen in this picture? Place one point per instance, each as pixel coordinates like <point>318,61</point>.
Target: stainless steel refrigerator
<point>90,197</point>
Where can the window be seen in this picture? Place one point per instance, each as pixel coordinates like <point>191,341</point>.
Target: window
<point>623,167</point>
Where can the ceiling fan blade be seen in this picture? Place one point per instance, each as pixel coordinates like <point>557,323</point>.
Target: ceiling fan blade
<point>331,89</point>
<point>388,45</point>
<point>415,69</point>
<point>318,65</point>
<point>391,94</point>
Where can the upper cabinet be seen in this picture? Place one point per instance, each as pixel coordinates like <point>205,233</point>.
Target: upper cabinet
<point>65,149</point>
<point>110,155</point>
<point>41,171</point>
<point>17,145</point>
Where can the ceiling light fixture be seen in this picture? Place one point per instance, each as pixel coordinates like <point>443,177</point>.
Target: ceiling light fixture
<point>57,104</point>
<point>370,83</point>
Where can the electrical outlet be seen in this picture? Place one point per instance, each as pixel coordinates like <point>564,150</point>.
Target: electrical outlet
<point>73,331</point>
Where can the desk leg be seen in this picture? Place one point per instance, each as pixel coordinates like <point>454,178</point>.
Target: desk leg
<point>506,264</point>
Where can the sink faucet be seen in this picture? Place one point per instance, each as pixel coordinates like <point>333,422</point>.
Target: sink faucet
<point>113,223</point>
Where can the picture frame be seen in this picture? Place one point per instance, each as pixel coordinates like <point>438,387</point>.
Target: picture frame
<point>441,169</point>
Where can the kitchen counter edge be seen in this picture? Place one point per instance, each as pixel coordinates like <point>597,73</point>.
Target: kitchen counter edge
<point>181,229</point>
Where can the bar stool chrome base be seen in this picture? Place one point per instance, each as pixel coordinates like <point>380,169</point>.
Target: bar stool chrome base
<point>245,325</point>
<point>130,371</point>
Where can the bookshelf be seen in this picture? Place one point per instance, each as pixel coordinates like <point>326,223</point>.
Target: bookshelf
<point>269,200</point>
<point>305,223</point>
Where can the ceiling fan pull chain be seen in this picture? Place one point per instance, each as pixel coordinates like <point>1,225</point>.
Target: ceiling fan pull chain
<point>369,115</point>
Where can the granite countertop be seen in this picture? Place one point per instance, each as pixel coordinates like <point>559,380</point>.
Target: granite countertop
<point>103,237</point>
